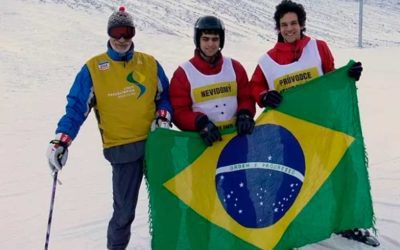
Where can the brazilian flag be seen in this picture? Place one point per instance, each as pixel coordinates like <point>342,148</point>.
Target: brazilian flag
<point>301,176</point>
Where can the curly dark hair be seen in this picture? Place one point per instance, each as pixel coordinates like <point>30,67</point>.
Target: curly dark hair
<point>288,6</point>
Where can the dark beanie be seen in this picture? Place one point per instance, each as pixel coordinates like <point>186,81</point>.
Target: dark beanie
<point>120,18</point>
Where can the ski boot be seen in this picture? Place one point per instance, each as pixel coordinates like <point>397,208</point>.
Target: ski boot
<point>361,235</point>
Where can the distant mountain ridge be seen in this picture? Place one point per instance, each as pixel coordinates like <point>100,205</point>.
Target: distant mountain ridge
<point>332,20</point>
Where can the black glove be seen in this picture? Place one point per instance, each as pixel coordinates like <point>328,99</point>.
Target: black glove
<point>244,122</point>
<point>272,99</point>
<point>355,71</point>
<point>208,131</point>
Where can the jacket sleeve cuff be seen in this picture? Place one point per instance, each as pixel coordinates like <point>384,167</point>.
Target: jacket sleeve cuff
<point>244,112</point>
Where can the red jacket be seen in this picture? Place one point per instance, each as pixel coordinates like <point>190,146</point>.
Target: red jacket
<point>180,91</point>
<point>286,53</point>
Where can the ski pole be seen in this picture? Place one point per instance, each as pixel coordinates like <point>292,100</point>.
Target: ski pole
<point>53,194</point>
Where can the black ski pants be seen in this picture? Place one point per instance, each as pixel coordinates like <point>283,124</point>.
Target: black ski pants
<point>127,175</point>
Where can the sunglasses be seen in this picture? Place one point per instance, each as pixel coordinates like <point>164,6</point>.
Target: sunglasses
<point>118,32</point>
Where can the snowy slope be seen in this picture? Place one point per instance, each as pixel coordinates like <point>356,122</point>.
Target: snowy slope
<point>253,19</point>
<point>44,43</point>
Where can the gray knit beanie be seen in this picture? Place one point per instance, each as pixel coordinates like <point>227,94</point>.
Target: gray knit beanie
<point>120,18</point>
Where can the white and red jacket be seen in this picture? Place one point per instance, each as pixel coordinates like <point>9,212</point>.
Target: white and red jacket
<point>217,90</point>
<point>287,62</point>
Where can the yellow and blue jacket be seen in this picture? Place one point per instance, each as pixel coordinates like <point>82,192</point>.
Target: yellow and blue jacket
<point>124,91</point>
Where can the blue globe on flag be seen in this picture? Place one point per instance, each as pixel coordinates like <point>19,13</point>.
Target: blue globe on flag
<point>258,177</point>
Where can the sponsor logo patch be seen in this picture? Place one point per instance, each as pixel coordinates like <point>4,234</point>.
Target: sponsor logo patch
<point>103,65</point>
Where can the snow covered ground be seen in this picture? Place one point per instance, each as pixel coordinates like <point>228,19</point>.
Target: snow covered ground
<point>44,43</point>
